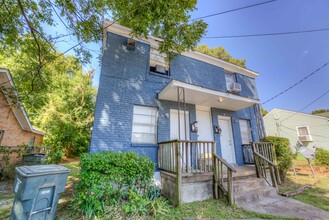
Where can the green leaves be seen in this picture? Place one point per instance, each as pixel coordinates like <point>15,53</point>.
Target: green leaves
<point>112,178</point>
<point>60,101</point>
<point>220,53</point>
<point>284,155</point>
<point>322,157</point>
<point>167,19</point>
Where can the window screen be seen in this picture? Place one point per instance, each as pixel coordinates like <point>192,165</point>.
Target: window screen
<point>245,131</point>
<point>303,131</point>
<point>230,79</point>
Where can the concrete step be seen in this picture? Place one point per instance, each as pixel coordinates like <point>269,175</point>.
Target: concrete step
<point>247,184</point>
<point>254,194</point>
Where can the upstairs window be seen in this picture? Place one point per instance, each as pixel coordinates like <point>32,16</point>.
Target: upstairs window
<point>245,131</point>
<point>230,79</point>
<point>144,129</point>
<point>231,83</point>
<point>158,62</point>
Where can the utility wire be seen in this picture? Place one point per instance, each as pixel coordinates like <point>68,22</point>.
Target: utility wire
<point>300,81</point>
<point>268,34</point>
<point>232,10</point>
<point>319,97</point>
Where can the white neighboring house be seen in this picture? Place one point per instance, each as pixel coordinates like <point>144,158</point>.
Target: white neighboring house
<point>311,130</point>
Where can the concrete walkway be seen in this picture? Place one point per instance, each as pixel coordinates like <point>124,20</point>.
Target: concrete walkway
<point>284,206</point>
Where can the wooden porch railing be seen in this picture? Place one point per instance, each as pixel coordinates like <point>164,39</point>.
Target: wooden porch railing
<point>193,156</point>
<point>224,184</point>
<point>183,158</point>
<point>264,156</point>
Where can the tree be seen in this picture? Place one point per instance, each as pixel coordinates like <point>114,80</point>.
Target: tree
<point>220,53</point>
<point>264,111</point>
<point>167,19</point>
<point>62,106</point>
<point>319,111</point>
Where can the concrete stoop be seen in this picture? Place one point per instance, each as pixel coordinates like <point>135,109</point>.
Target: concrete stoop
<point>251,189</point>
<point>256,195</point>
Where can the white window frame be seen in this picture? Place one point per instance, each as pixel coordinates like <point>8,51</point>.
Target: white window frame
<point>307,128</point>
<point>249,128</point>
<point>229,86</point>
<point>154,124</point>
<point>157,58</point>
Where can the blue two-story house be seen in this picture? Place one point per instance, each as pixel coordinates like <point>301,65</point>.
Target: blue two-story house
<point>142,100</point>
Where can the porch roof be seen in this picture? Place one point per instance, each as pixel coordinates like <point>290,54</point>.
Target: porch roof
<point>205,97</point>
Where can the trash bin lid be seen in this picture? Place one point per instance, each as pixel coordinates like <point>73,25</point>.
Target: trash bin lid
<point>40,170</point>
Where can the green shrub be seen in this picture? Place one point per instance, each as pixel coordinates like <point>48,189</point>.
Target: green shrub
<point>284,155</point>
<point>322,157</point>
<point>54,156</point>
<point>112,178</point>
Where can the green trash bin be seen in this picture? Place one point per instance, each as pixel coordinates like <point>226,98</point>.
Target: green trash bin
<point>37,190</point>
<point>33,159</point>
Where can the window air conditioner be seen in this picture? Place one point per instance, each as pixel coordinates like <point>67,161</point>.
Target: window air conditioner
<point>305,138</point>
<point>235,87</point>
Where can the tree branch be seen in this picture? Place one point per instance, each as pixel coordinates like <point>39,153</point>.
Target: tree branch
<point>32,32</point>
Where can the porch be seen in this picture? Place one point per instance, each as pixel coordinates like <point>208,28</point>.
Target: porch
<point>192,171</point>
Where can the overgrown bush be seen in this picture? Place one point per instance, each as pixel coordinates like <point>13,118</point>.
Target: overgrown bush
<point>116,178</point>
<point>54,156</point>
<point>284,155</point>
<point>322,157</point>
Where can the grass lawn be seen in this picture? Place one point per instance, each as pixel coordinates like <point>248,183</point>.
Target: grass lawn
<point>213,209</point>
<point>318,195</point>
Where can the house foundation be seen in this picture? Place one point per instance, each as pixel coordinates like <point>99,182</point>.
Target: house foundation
<point>194,187</point>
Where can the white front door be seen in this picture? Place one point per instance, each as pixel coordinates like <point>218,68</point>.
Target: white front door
<point>203,117</point>
<point>174,125</point>
<point>226,139</point>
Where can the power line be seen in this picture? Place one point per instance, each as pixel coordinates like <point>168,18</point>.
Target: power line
<point>319,97</point>
<point>232,10</point>
<point>295,84</point>
<point>268,34</point>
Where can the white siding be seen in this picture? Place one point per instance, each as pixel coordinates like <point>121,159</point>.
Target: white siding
<point>287,124</point>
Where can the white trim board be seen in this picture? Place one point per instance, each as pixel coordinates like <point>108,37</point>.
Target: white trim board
<point>18,109</point>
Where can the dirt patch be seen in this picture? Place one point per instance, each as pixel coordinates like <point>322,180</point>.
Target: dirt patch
<point>66,161</point>
<point>323,171</point>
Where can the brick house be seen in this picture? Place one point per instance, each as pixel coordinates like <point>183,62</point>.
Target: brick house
<point>190,117</point>
<point>137,106</point>
<point>15,127</point>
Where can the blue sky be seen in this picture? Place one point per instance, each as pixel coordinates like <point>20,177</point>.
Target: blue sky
<point>280,60</point>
